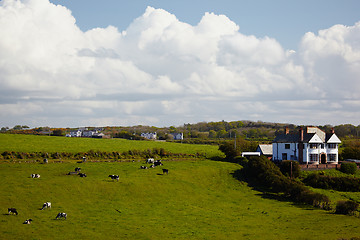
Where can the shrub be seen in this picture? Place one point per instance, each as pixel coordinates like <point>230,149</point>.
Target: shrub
<point>348,167</point>
<point>346,184</point>
<point>290,168</point>
<point>346,207</point>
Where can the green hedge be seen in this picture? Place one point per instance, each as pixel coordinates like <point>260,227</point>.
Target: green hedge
<point>348,167</point>
<point>346,184</point>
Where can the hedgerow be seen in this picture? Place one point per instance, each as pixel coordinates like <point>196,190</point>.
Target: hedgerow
<point>345,184</point>
<point>269,176</point>
<point>98,155</point>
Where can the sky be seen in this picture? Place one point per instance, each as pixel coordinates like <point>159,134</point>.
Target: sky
<point>165,63</point>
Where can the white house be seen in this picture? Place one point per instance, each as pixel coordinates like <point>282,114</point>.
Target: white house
<point>148,135</point>
<point>309,146</point>
<point>76,133</point>
<point>178,136</point>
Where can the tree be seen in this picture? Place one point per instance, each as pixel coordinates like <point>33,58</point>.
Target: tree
<point>57,132</point>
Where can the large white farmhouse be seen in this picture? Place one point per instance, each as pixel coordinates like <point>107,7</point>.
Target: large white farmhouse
<point>309,146</point>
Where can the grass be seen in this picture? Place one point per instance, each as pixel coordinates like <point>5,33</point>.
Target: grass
<point>197,200</point>
<point>34,143</point>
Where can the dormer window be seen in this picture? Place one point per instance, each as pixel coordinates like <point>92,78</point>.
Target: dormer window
<point>287,146</point>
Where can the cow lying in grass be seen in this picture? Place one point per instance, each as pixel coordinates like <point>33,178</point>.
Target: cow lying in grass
<point>114,177</point>
<point>165,171</point>
<point>28,221</point>
<point>35,175</point>
<point>82,175</point>
<point>61,215</point>
<point>12,211</point>
<point>46,205</point>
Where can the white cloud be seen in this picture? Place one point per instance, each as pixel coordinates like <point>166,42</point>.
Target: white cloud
<point>163,71</point>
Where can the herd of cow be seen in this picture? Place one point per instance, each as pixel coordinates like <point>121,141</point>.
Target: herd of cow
<point>77,172</point>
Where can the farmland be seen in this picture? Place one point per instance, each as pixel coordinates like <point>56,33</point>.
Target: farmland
<point>34,143</point>
<point>197,200</point>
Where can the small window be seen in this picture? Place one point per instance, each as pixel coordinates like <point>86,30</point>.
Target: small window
<point>313,145</point>
<point>287,146</point>
<point>332,145</point>
<point>284,156</point>
<point>322,146</point>
<point>314,158</point>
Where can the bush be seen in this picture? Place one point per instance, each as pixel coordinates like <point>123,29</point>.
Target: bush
<point>268,175</point>
<point>345,184</point>
<point>348,167</point>
<point>346,207</point>
<point>290,168</point>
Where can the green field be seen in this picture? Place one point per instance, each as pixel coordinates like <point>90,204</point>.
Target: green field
<point>34,143</point>
<point>196,200</point>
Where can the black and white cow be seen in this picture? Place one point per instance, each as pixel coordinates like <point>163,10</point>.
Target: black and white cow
<point>114,177</point>
<point>28,221</point>
<point>82,175</point>
<point>158,163</point>
<point>35,175</point>
<point>77,169</point>
<point>143,167</point>
<point>12,211</point>
<point>61,215</point>
<point>165,171</point>
<point>45,160</point>
<point>46,205</point>
<point>150,160</point>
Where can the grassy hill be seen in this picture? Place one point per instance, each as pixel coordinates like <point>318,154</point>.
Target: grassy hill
<point>35,143</point>
<point>196,200</point>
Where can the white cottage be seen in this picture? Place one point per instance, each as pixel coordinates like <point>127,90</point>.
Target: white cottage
<point>312,146</point>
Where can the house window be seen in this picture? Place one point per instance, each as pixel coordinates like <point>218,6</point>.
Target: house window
<point>332,145</point>
<point>313,145</point>
<point>287,146</point>
<point>322,146</point>
<point>314,157</point>
<point>284,156</point>
<point>331,157</point>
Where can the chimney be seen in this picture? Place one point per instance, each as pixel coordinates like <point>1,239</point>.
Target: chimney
<point>301,145</point>
<point>286,130</point>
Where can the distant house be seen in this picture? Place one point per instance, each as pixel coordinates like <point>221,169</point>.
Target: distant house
<point>76,133</point>
<point>151,136</point>
<point>82,132</point>
<point>309,146</point>
<point>178,136</point>
<point>265,149</point>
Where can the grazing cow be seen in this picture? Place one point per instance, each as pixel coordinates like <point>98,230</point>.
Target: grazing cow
<point>28,221</point>
<point>84,159</point>
<point>143,167</point>
<point>61,215</point>
<point>158,163</point>
<point>46,205</point>
<point>77,169</point>
<point>45,160</point>
<point>12,210</point>
<point>114,177</point>
<point>82,175</point>
<point>150,160</point>
<point>152,166</point>
<point>165,171</point>
<point>35,175</point>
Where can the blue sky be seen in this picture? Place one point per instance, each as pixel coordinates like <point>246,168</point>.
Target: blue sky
<point>162,63</point>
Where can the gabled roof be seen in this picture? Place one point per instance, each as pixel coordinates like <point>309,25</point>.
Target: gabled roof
<point>332,138</point>
<point>265,149</point>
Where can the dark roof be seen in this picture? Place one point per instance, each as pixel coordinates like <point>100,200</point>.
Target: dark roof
<point>293,138</point>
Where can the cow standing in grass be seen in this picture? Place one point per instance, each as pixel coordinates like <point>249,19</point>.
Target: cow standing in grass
<point>46,205</point>
<point>61,215</point>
